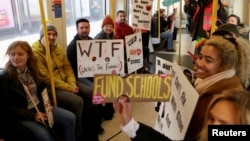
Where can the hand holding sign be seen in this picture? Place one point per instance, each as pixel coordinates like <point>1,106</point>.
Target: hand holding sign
<point>124,108</point>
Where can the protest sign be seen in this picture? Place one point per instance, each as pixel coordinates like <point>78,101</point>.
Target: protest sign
<point>138,87</point>
<point>100,57</point>
<point>134,52</point>
<point>141,14</point>
<point>48,107</point>
<point>174,116</point>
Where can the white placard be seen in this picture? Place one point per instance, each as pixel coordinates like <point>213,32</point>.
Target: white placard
<point>48,107</point>
<point>141,14</point>
<point>100,57</point>
<point>174,116</point>
<point>134,52</point>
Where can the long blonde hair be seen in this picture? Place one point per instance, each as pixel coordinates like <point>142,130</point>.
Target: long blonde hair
<point>238,97</point>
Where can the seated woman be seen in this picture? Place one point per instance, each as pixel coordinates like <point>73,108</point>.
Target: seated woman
<point>243,28</point>
<point>107,33</point>
<point>25,107</point>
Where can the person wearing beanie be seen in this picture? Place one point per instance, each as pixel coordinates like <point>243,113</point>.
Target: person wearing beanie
<point>49,27</point>
<point>107,20</point>
<point>107,31</point>
<point>52,34</point>
<point>69,92</point>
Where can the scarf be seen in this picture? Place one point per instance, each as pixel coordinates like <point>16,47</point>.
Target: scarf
<point>27,80</point>
<point>202,84</point>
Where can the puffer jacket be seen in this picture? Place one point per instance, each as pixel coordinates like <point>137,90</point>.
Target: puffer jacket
<point>64,77</point>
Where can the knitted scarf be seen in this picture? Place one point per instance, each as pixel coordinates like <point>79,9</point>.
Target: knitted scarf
<point>202,84</point>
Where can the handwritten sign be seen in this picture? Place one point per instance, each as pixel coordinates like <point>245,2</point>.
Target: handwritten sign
<point>141,16</point>
<point>100,57</point>
<point>164,66</point>
<point>134,52</point>
<point>174,116</point>
<point>138,87</point>
<point>48,107</point>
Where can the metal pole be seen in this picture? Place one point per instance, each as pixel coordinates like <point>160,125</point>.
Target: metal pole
<point>47,51</point>
<point>180,31</point>
<point>214,16</point>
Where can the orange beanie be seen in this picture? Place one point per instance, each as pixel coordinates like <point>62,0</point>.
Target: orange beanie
<point>107,20</point>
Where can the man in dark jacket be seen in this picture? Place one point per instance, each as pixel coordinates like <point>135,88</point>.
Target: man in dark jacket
<point>91,113</point>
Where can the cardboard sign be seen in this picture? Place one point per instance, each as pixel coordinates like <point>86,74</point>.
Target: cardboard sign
<point>48,107</point>
<point>141,14</point>
<point>134,52</point>
<point>138,87</point>
<point>100,57</point>
<point>174,116</point>
<point>46,102</point>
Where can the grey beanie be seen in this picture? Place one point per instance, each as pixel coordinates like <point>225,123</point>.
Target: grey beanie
<point>49,27</point>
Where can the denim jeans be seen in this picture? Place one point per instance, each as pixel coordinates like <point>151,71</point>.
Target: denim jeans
<point>62,117</point>
<point>169,36</point>
<point>73,103</point>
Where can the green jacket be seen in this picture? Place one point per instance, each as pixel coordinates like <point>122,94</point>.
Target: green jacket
<point>64,78</point>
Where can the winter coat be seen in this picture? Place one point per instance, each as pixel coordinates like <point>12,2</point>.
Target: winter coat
<point>63,74</point>
<point>146,133</point>
<point>198,117</point>
<point>102,35</point>
<point>14,103</point>
<point>72,53</point>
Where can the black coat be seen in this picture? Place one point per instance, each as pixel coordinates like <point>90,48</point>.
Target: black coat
<point>14,103</point>
<point>102,35</point>
<point>72,54</point>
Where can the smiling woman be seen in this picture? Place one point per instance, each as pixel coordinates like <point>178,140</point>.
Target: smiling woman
<point>218,68</point>
<point>22,99</point>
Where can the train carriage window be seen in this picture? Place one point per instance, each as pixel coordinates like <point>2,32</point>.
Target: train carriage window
<point>21,20</point>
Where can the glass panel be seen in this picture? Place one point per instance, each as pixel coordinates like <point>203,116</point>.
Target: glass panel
<point>6,15</point>
<point>21,20</point>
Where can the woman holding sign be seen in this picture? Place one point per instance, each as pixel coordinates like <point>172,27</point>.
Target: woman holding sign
<point>106,33</point>
<point>22,97</point>
<point>223,64</point>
